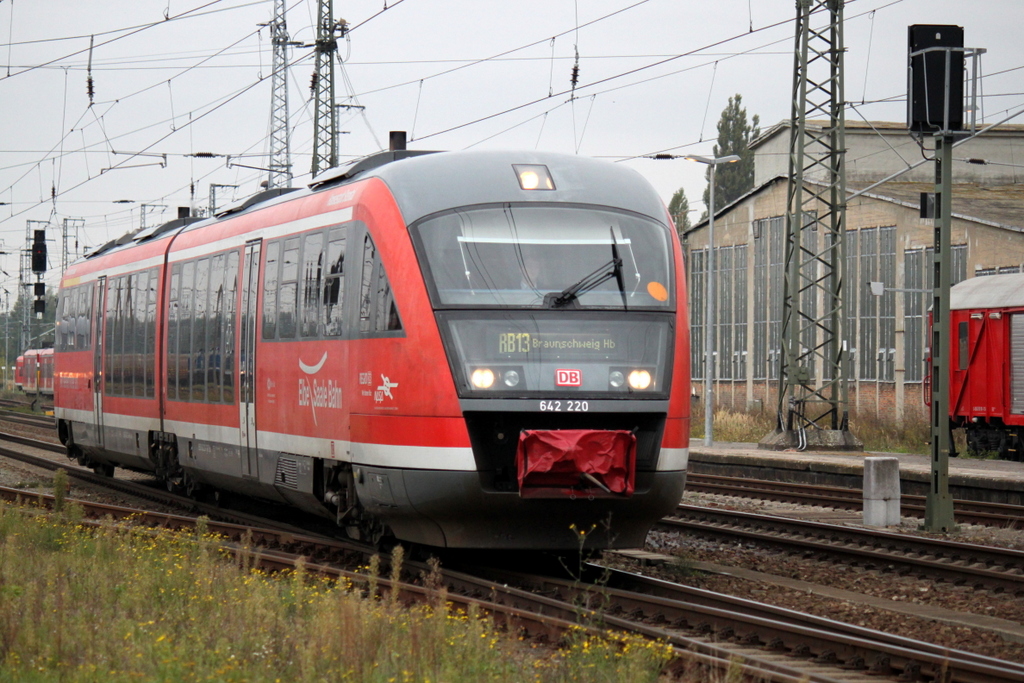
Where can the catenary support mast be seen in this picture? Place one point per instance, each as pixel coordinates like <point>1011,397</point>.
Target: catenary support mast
<point>814,366</point>
<point>280,173</point>
<point>325,127</point>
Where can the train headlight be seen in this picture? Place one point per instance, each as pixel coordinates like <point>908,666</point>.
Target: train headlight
<point>534,177</point>
<point>482,378</point>
<point>511,378</point>
<point>616,379</point>
<point>640,379</point>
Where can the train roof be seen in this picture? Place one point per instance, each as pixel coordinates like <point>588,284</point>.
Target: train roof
<point>429,183</point>
<point>424,183</point>
<point>988,291</point>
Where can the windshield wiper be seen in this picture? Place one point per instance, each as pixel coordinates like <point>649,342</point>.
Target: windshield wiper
<point>591,281</point>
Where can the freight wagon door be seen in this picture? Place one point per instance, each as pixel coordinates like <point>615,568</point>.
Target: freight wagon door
<point>247,360</point>
<point>1017,363</point>
<point>99,313</point>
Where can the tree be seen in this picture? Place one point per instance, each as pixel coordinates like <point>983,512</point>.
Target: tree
<point>40,330</point>
<point>679,209</point>
<point>734,136</point>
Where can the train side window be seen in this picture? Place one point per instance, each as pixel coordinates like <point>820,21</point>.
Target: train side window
<point>65,337</point>
<point>149,357</point>
<point>334,284</point>
<point>173,316</point>
<point>83,325</point>
<point>962,334</point>
<point>126,314</point>
<point>188,274</point>
<point>230,310</point>
<point>214,330</point>
<point>270,281</point>
<point>366,284</point>
<point>112,348</point>
<point>386,318</point>
<point>312,277</point>
<point>200,351</point>
<point>288,293</point>
<point>138,357</point>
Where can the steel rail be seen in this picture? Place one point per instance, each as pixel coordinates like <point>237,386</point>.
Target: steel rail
<point>961,563</point>
<point>694,617</point>
<point>965,511</point>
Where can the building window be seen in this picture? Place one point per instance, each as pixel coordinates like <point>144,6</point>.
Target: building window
<point>723,272</point>
<point>777,238</point>
<point>739,300</point>
<point>760,361</point>
<point>919,275</point>
<point>697,284</point>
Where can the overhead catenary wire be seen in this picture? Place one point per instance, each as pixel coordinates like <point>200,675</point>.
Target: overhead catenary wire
<point>629,72</point>
<point>122,99</point>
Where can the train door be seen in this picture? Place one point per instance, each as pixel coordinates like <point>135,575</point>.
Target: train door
<point>99,311</point>
<point>247,360</point>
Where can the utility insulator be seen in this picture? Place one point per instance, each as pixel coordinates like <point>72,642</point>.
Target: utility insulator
<point>39,252</point>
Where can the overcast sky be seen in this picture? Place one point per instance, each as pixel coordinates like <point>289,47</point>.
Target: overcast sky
<point>179,77</point>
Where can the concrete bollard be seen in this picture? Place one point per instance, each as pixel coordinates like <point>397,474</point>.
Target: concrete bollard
<point>881,491</point>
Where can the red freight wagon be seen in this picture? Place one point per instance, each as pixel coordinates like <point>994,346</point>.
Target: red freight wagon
<point>466,349</point>
<point>986,391</point>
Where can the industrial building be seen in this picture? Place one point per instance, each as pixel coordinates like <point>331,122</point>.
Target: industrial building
<point>887,241</point>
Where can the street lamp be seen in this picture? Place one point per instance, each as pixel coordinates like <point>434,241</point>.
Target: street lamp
<point>709,295</point>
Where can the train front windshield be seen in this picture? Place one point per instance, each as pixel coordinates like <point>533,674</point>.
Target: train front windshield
<point>547,257</point>
<point>544,300</point>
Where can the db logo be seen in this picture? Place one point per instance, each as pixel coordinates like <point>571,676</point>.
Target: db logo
<point>568,378</point>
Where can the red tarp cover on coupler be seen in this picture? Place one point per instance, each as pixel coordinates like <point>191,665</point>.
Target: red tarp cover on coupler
<point>591,463</point>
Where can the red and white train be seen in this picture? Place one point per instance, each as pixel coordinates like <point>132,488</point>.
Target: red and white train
<point>33,372</point>
<point>463,349</point>
<point>986,372</point>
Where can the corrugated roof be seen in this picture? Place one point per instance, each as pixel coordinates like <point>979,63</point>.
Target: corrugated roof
<point>869,126</point>
<point>1000,206</point>
<point>990,291</point>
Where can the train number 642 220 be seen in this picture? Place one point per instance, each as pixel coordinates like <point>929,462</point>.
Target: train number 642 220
<point>564,406</point>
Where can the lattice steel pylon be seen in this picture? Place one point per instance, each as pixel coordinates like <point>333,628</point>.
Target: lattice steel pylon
<point>814,366</point>
<point>325,133</point>
<point>280,167</point>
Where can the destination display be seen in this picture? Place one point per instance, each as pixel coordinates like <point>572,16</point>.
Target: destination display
<point>522,343</point>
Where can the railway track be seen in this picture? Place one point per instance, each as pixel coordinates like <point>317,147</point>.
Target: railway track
<point>705,629</point>
<point>981,567</point>
<point>31,419</point>
<point>754,631</point>
<point>985,567</point>
<point>774,644</point>
<point>965,511</point>
<point>149,491</point>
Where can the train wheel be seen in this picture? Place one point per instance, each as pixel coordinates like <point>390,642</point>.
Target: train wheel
<point>175,484</point>
<point>104,470</point>
<point>193,489</point>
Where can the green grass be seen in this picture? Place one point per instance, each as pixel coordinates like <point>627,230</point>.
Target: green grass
<point>127,604</point>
